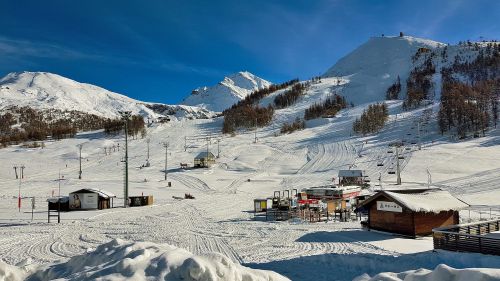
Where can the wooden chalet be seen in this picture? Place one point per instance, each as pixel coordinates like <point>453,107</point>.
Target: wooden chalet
<point>204,159</point>
<point>411,212</point>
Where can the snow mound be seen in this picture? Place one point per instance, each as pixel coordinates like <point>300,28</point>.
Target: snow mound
<point>232,89</point>
<point>123,260</point>
<point>10,272</point>
<point>441,273</point>
<point>375,65</point>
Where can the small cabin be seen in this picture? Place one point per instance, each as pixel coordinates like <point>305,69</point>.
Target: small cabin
<point>352,177</point>
<point>204,159</point>
<point>91,199</point>
<point>58,203</point>
<point>411,212</point>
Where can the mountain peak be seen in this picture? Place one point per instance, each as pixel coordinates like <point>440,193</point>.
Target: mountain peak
<point>229,91</point>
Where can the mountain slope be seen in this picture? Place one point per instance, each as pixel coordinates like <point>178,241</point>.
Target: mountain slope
<point>43,91</point>
<point>374,66</point>
<point>227,92</point>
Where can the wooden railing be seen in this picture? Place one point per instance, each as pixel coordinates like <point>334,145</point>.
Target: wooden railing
<point>470,237</point>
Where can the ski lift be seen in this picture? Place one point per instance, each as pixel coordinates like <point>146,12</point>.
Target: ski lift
<point>407,148</point>
<point>390,151</point>
<point>391,172</point>
<point>401,157</point>
<point>380,162</point>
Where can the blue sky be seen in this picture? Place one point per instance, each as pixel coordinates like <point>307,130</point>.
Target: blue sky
<point>160,50</point>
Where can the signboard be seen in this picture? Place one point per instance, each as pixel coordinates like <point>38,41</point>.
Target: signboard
<point>389,207</point>
<point>83,201</point>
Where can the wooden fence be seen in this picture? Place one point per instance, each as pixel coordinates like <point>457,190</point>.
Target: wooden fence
<point>472,237</point>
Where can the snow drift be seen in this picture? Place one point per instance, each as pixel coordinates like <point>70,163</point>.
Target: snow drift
<point>441,273</point>
<point>232,89</point>
<point>123,260</point>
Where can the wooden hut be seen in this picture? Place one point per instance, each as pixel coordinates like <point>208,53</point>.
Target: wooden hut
<point>352,177</point>
<point>90,199</point>
<point>411,212</point>
<point>204,159</point>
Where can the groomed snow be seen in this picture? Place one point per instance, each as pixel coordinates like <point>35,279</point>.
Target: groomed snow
<point>123,260</point>
<point>441,273</point>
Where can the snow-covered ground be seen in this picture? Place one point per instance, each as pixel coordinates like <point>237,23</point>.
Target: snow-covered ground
<point>220,218</point>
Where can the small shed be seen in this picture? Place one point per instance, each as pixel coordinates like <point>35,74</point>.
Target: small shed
<point>137,201</point>
<point>261,204</point>
<point>411,212</point>
<point>90,199</point>
<point>58,202</point>
<point>352,177</point>
<point>204,159</point>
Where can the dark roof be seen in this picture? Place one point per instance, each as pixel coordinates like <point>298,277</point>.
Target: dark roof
<point>204,155</point>
<point>351,173</point>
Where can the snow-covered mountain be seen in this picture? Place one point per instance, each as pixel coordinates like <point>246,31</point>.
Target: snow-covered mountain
<point>372,67</point>
<point>42,91</point>
<point>229,91</point>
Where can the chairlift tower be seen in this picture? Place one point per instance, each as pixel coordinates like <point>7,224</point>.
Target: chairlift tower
<point>126,117</point>
<point>80,146</point>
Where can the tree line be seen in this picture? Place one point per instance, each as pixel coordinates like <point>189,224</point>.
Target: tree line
<point>393,91</point>
<point>288,128</point>
<point>470,106</point>
<point>329,107</point>
<point>372,119</point>
<point>248,114</point>
<point>289,97</point>
<point>22,124</point>
<point>135,126</point>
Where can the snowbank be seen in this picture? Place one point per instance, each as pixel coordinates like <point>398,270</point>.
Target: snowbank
<point>123,260</point>
<point>10,272</point>
<point>441,273</point>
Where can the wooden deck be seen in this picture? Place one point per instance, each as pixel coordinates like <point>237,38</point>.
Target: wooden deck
<point>472,237</point>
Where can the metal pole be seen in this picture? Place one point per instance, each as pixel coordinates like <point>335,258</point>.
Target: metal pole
<point>206,158</point>
<point>80,173</point>
<point>218,148</point>
<point>148,140</point>
<point>126,115</point>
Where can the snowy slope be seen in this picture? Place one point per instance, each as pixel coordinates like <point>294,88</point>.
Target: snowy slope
<point>375,65</point>
<point>227,92</point>
<point>42,90</point>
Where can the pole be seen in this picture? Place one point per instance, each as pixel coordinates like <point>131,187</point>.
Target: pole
<point>80,173</point>
<point>148,140</point>
<point>126,116</point>
<point>429,178</point>
<point>380,181</point>
<point>398,182</point>
<point>218,148</point>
